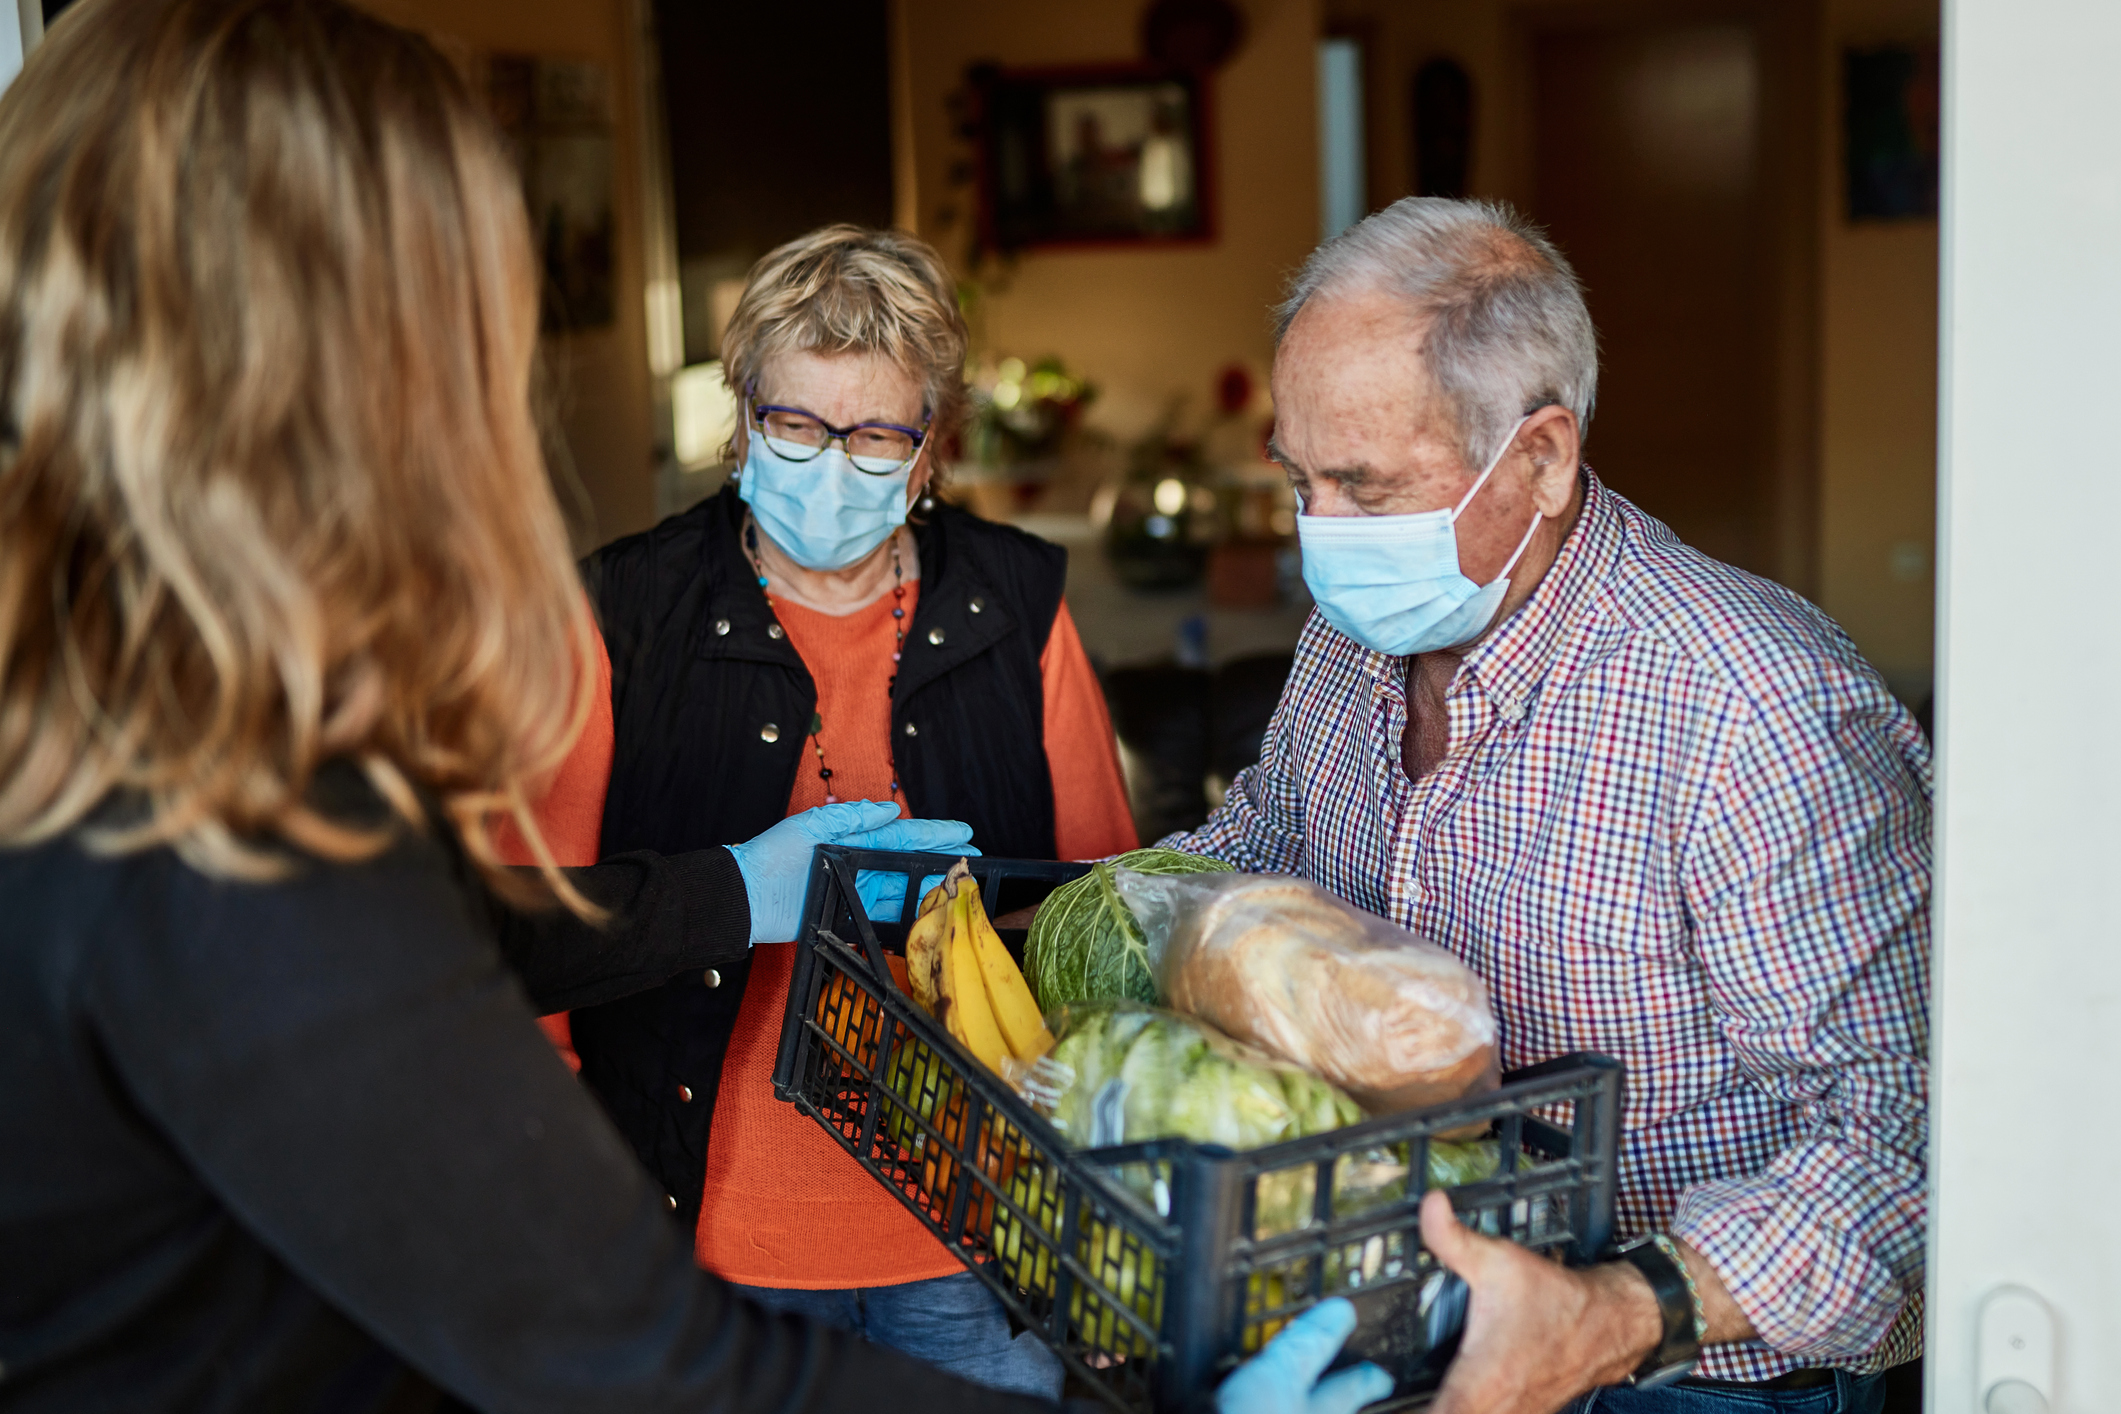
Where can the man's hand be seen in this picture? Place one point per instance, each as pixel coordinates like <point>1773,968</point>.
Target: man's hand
<point>1537,1334</point>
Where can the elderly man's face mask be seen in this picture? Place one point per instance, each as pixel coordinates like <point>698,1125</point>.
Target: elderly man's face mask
<point>1392,583</point>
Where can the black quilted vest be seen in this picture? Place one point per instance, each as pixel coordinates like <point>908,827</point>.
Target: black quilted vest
<point>711,710</point>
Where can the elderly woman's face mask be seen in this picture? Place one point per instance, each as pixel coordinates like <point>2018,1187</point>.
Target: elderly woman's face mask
<point>828,496</point>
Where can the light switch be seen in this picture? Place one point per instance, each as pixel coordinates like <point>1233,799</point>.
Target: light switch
<point>2015,1356</point>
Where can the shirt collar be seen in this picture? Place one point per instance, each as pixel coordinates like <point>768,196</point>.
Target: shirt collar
<point>1509,664</point>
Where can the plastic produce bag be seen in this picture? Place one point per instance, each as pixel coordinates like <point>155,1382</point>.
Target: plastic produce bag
<point>1123,1073</point>
<point>1085,946</point>
<point>1396,1022</point>
<point>1134,1073</point>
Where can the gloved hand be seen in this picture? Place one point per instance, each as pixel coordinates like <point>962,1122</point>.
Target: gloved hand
<point>776,864</point>
<point>1284,1378</point>
<point>884,895</point>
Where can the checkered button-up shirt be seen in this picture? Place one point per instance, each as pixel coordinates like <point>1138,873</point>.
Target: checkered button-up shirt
<point>1682,822</point>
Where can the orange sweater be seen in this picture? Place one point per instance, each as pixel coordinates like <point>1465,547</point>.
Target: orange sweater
<point>784,1205</point>
<point>571,814</point>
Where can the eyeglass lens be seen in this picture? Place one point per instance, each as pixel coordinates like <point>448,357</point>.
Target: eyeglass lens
<point>867,443</point>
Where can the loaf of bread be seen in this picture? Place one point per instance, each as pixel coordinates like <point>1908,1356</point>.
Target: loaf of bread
<point>1397,1022</point>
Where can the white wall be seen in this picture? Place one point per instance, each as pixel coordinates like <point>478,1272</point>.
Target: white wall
<point>13,40</point>
<point>2027,1147</point>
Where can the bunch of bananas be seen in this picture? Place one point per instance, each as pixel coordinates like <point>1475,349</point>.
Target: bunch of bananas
<point>963,976</point>
<point>958,971</point>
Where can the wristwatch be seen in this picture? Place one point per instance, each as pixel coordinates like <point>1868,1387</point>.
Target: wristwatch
<point>1680,1347</point>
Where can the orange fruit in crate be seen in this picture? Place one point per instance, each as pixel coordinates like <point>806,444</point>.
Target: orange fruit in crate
<point>920,1078</point>
<point>851,1017</point>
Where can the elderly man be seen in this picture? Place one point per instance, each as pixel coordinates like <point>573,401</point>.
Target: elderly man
<point>1662,806</point>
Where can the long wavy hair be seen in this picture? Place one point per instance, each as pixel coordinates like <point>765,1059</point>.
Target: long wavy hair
<point>271,491</point>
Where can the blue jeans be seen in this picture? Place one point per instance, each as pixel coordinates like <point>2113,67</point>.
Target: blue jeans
<point>1848,1394</point>
<point>953,1323</point>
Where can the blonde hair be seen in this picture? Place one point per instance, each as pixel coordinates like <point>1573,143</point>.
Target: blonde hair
<point>851,289</point>
<point>270,485</point>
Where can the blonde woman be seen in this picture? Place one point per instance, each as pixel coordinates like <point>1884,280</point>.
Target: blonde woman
<point>825,630</point>
<point>287,621</point>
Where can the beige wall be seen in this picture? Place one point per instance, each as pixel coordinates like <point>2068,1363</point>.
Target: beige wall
<point>1873,458</point>
<point>1149,324</point>
<point>600,377</point>
<point>1878,380</point>
<point>1143,324</point>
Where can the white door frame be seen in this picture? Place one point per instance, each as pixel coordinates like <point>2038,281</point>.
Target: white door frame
<point>2026,1142</point>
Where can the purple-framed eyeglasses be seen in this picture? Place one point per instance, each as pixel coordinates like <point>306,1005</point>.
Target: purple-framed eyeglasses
<point>799,435</point>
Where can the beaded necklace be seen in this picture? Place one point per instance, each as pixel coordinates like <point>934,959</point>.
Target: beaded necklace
<point>898,649</point>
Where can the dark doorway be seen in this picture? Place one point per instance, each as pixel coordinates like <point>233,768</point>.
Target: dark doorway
<point>780,122</point>
<point>1653,172</point>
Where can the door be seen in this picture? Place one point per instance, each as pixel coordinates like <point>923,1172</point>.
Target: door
<point>1648,171</point>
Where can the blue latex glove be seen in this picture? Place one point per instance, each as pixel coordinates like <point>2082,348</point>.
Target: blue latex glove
<point>1284,1378</point>
<point>776,864</point>
<point>884,895</point>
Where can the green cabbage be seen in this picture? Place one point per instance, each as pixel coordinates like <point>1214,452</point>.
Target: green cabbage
<point>1085,946</point>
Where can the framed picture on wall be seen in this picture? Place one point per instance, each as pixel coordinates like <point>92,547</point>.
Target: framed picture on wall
<point>1093,156</point>
<point>1891,114</point>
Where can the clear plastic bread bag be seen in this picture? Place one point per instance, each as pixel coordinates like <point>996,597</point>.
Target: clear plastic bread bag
<point>1394,1020</point>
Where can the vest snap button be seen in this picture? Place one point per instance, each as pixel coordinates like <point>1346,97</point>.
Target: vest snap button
<point>775,631</point>
<point>978,605</point>
<point>912,730</point>
<point>721,628</point>
<point>769,733</point>
<point>935,636</point>
<point>711,977</point>
<point>684,1094</point>
<point>670,1202</point>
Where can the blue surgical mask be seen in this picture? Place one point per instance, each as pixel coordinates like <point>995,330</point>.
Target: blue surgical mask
<point>824,513</point>
<point>1392,583</point>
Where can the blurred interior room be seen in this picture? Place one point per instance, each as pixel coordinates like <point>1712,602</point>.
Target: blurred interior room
<point>1748,188</point>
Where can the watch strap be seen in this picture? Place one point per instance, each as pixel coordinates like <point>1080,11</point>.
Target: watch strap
<point>1677,1305</point>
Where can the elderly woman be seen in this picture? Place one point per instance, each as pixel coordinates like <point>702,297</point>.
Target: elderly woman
<point>825,630</point>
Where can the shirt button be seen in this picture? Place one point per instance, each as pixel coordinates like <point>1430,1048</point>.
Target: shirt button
<point>912,730</point>
<point>776,632</point>
<point>684,1094</point>
<point>711,977</point>
<point>935,636</point>
<point>978,605</point>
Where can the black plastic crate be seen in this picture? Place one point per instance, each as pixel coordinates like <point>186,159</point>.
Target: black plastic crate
<point>1148,1266</point>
